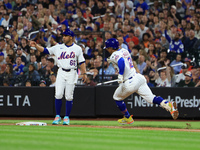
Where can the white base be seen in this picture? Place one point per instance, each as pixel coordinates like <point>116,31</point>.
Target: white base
<point>31,123</point>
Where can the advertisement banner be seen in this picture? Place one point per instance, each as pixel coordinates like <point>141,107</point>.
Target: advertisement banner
<point>83,103</point>
<point>96,102</point>
<point>26,101</point>
<point>188,100</point>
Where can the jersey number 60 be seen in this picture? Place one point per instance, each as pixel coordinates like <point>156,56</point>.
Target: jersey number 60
<point>72,62</point>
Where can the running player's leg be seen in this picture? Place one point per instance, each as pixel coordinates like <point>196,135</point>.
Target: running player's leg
<point>145,92</point>
<point>119,97</point>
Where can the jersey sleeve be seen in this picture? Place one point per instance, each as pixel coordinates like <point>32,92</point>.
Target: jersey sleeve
<point>115,57</point>
<point>52,49</point>
<point>81,58</point>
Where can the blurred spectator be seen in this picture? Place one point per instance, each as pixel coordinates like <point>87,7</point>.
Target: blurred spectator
<point>175,15</point>
<point>32,61</point>
<point>148,83</point>
<point>32,75</point>
<point>108,70</point>
<point>40,38</point>
<point>95,67</point>
<point>142,29</point>
<point>2,33</point>
<point>190,41</point>
<point>28,83</point>
<point>188,61</point>
<point>142,6</point>
<point>51,64</point>
<point>152,64</point>
<point>164,79</point>
<point>141,63</point>
<point>42,83</point>
<point>53,80</point>
<point>1,18</point>
<point>2,62</point>
<point>22,55</point>
<point>178,64</point>
<point>6,21</point>
<point>180,10</point>
<point>8,75</point>
<point>176,45</point>
<point>188,80</point>
<point>18,67</point>
<point>181,76</point>
<point>89,81</point>
<point>163,57</point>
<point>121,43</point>
<point>24,45</point>
<point>133,38</point>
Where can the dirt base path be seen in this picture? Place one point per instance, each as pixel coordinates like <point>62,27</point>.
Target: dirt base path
<point>108,119</point>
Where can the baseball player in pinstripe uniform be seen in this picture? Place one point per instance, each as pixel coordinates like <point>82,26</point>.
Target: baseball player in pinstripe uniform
<point>130,81</point>
<point>68,55</point>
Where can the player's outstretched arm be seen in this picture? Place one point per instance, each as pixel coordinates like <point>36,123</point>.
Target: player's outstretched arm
<point>38,47</point>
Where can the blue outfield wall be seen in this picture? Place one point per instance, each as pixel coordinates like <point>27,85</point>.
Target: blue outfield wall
<point>95,102</point>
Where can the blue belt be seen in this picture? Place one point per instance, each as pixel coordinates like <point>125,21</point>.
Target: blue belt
<point>67,70</point>
<point>130,78</point>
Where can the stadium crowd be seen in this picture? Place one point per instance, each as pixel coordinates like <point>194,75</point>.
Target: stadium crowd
<point>163,38</point>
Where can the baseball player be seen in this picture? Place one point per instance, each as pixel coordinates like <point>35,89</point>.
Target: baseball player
<point>130,81</point>
<point>68,55</point>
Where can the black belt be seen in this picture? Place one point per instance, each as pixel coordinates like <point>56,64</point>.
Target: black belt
<point>67,70</point>
<point>130,78</point>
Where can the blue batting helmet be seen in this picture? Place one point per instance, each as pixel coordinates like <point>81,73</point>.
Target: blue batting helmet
<point>68,32</point>
<point>113,43</point>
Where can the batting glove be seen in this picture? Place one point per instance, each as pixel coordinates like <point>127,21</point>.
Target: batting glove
<point>108,60</point>
<point>120,78</point>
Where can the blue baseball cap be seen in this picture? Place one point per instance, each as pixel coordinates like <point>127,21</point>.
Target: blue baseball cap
<point>89,28</point>
<point>1,54</point>
<point>42,30</point>
<point>84,40</point>
<point>53,36</point>
<point>70,12</point>
<point>68,32</point>
<point>83,2</point>
<point>112,42</point>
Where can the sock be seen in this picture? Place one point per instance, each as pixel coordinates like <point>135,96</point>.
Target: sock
<point>58,105</point>
<point>68,107</point>
<point>122,106</point>
<point>158,100</point>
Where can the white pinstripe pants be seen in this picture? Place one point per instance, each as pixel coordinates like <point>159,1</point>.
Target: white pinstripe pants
<point>136,84</point>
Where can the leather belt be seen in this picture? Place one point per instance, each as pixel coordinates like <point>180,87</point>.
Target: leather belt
<point>67,70</point>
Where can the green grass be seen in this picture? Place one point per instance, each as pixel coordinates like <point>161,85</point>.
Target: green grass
<point>82,138</point>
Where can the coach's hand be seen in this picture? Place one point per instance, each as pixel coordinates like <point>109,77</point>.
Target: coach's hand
<point>33,43</point>
<point>120,78</point>
<point>84,77</point>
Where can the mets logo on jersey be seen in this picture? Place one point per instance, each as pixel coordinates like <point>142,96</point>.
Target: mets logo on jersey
<point>63,55</point>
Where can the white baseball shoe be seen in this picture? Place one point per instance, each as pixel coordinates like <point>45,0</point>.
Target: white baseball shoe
<point>171,107</point>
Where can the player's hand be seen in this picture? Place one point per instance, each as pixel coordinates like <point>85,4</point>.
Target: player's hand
<point>120,78</point>
<point>84,78</point>
<point>108,60</point>
<point>33,43</point>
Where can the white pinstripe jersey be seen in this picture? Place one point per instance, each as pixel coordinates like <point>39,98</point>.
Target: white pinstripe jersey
<point>67,56</point>
<point>129,69</point>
